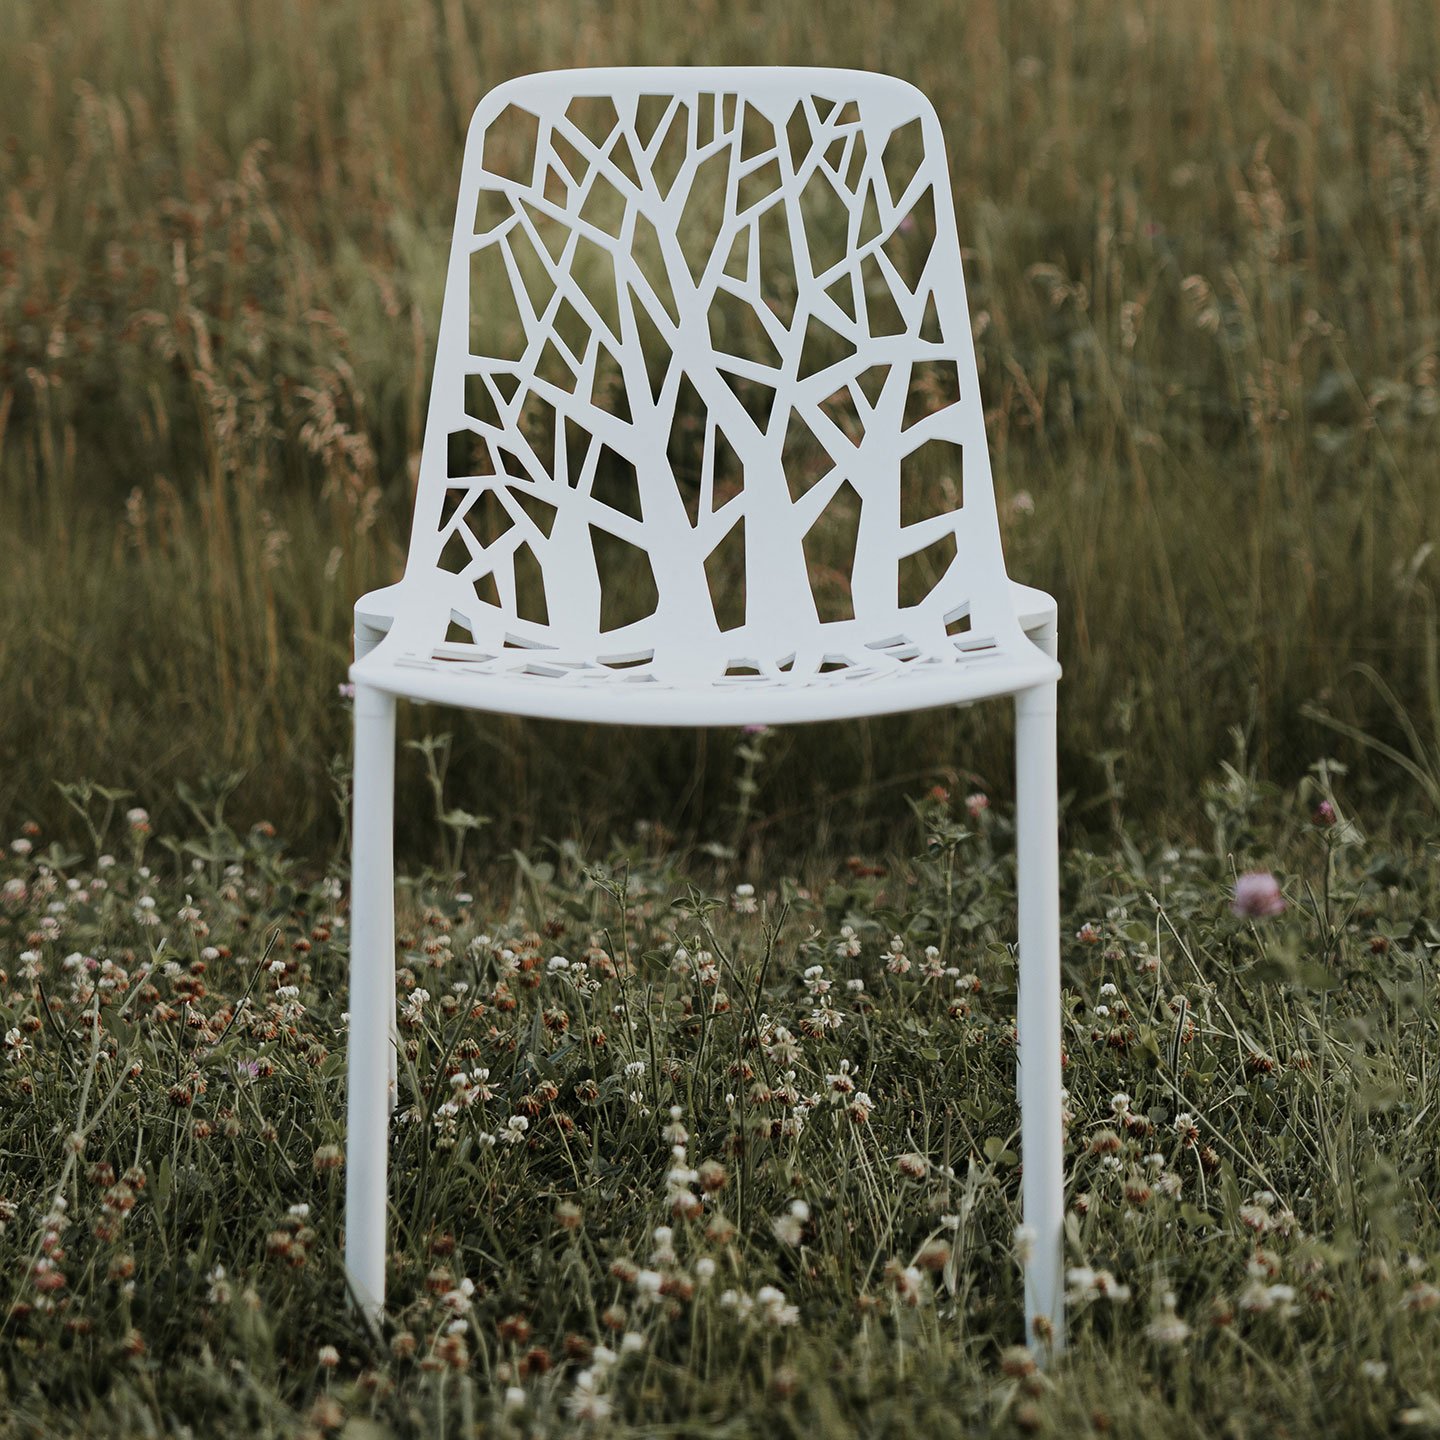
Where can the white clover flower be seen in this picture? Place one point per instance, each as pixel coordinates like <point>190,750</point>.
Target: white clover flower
<point>1167,1328</point>
<point>774,1309</point>
<point>788,1229</point>
<point>219,1292</point>
<point>1090,1284</point>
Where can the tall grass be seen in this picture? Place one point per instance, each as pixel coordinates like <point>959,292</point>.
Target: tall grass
<point>1203,248</point>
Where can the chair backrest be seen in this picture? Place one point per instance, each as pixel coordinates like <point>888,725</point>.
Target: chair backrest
<point>705,399</point>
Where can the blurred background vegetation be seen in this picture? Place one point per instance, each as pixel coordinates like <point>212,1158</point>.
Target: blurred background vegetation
<point>1203,248</point>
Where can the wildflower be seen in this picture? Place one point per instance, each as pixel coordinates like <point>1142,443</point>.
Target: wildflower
<point>1374,1370</point>
<point>713,1176</point>
<point>934,1255</point>
<point>1025,1238</point>
<point>1421,1297</point>
<point>774,1309</point>
<point>1256,1218</point>
<point>976,805</point>
<point>138,820</point>
<point>1088,934</point>
<point>913,1165</point>
<point>1088,1284</point>
<point>328,1157</point>
<point>1017,1362</point>
<point>21,846</point>
<point>790,1227</point>
<point>1257,896</point>
<point>743,900</point>
<point>860,1107</point>
<point>1167,1328</point>
<point>815,981</point>
<point>1104,1142</point>
<point>328,1357</point>
<point>220,1291</point>
<point>515,1128</point>
<point>1136,1190</point>
<point>898,963</point>
<point>1324,814</point>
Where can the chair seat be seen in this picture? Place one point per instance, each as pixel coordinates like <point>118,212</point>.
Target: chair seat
<point>839,676</point>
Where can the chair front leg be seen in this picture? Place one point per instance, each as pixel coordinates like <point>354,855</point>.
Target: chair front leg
<point>1039,1034</point>
<point>372,998</point>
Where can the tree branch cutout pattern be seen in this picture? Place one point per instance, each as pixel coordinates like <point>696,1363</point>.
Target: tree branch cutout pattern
<point>697,414</point>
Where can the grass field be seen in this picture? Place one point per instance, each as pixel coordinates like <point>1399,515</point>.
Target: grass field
<point>1203,250</point>
<point>707,1121</point>
<point>682,1154</point>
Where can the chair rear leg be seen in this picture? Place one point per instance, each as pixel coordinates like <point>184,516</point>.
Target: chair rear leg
<point>372,998</point>
<point>1041,1140</point>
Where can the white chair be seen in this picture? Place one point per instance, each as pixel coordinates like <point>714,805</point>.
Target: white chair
<point>720,330</point>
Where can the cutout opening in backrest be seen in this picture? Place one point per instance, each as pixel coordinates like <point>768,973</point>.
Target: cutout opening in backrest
<point>530,599</point>
<point>725,577</point>
<point>616,484</point>
<point>934,386</point>
<point>509,146</point>
<point>495,326</point>
<point>830,555</point>
<point>628,593</point>
<point>931,481</point>
<point>479,402</point>
<point>455,554</point>
<point>487,519</point>
<point>685,451</point>
<point>921,572</point>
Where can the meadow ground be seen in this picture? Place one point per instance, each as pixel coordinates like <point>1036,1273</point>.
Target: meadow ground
<point>729,1157</point>
<point>707,1121</point>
